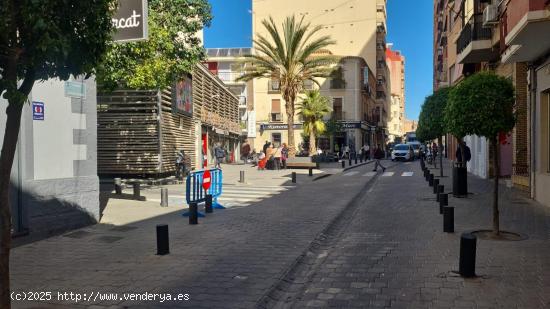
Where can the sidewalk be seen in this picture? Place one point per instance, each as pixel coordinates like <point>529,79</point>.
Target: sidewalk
<point>229,260</point>
<point>393,252</point>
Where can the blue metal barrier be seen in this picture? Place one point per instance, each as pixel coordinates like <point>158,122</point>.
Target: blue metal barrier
<point>194,191</point>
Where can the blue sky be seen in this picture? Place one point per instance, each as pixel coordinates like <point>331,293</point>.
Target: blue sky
<point>232,27</point>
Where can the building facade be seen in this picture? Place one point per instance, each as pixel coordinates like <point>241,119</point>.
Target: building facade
<point>359,27</point>
<point>54,182</point>
<point>509,38</point>
<point>396,64</point>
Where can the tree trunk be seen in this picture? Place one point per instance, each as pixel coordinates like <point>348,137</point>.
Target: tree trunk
<point>290,121</point>
<point>496,164</point>
<point>312,143</point>
<point>440,141</point>
<point>13,112</point>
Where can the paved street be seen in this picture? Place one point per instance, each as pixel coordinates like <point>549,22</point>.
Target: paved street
<point>356,239</point>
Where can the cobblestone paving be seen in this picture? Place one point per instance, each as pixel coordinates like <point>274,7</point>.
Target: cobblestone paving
<point>393,253</point>
<point>229,260</point>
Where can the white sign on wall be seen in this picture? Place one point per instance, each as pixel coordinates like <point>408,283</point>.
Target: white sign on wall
<point>251,127</point>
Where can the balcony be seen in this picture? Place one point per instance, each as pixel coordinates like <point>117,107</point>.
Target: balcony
<point>474,44</point>
<point>242,101</point>
<point>528,25</point>
<point>230,77</point>
<point>273,86</point>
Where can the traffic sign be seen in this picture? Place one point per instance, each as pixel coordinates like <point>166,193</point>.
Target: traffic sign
<point>206,180</point>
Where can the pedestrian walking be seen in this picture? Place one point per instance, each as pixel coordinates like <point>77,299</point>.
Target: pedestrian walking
<point>378,155</point>
<point>366,152</point>
<point>219,153</point>
<point>245,151</point>
<point>284,155</point>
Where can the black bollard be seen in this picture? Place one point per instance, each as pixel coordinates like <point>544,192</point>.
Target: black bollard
<point>193,213</point>
<point>448,219</point>
<point>118,186</point>
<point>310,171</point>
<point>136,191</point>
<point>440,190</point>
<point>163,245</point>
<point>208,204</point>
<point>431,180</point>
<point>467,262</point>
<point>241,179</point>
<point>443,201</point>
<point>343,164</point>
<point>293,177</point>
<point>435,184</point>
<point>355,159</point>
<point>349,161</point>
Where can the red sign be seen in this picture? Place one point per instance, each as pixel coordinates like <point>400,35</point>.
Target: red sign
<point>206,180</point>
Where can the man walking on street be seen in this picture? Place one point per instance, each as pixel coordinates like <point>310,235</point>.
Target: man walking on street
<point>219,153</point>
<point>378,155</point>
<point>245,151</point>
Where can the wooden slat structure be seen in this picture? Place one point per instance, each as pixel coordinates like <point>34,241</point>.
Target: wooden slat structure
<point>139,134</point>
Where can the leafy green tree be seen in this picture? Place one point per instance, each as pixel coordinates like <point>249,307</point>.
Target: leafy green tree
<point>483,105</point>
<point>431,122</point>
<point>312,109</point>
<point>333,126</point>
<point>41,40</point>
<point>291,55</point>
<point>171,51</point>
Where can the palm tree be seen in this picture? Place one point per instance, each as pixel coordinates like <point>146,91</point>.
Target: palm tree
<point>312,109</point>
<point>291,57</point>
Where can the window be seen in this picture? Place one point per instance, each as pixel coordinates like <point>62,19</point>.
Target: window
<point>273,86</point>
<point>276,115</point>
<point>337,108</point>
<point>276,139</point>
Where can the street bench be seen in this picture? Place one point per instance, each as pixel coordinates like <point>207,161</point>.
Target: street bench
<point>301,162</point>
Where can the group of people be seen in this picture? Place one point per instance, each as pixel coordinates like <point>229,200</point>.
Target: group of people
<point>271,157</point>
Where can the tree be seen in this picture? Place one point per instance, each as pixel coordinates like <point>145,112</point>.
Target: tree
<point>290,57</point>
<point>332,126</point>
<point>431,122</point>
<point>170,52</point>
<point>41,40</point>
<point>312,109</point>
<point>483,105</point>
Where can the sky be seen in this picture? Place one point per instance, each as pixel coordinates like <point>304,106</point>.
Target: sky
<point>232,27</point>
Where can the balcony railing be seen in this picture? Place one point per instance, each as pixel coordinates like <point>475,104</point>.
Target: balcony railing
<point>473,31</point>
<point>229,77</point>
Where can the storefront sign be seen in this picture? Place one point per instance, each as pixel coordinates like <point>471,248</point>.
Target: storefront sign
<point>130,20</point>
<point>182,97</point>
<point>282,126</point>
<point>350,125</point>
<point>251,124</point>
<point>37,110</point>
<point>75,89</point>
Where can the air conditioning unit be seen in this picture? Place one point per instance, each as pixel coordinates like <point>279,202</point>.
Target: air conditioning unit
<point>490,15</point>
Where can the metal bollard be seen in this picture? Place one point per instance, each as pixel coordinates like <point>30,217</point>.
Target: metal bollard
<point>208,204</point>
<point>163,197</point>
<point>241,178</point>
<point>136,190</point>
<point>431,180</point>
<point>355,159</point>
<point>118,186</point>
<point>193,213</point>
<point>163,245</point>
<point>443,201</point>
<point>467,262</point>
<point>349,161</point>
<point>310,171</point>
<point>448,219</point>
<point>293,177</point>
<point>343,164</point>
<point>440,190</point>
<point>435,184</point>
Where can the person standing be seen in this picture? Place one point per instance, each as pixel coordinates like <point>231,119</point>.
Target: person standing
<point>245,151</point>
<point>219,153</point>
<point>266,145</point>
<point>366,152</point>
<point>284,155</point>
<point>270,157</point>
<point>467,154</point>
<point>278,157</point>
<point>378,155</point>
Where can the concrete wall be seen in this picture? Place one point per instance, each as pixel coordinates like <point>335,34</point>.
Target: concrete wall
<point>58,187</point>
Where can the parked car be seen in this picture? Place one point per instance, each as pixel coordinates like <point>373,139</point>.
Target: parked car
<point>416,148</point>
<point>403,152</point>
